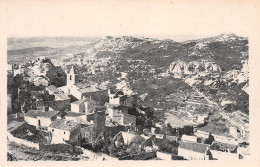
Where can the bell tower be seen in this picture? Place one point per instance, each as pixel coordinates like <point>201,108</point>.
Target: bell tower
<point>71,77</point>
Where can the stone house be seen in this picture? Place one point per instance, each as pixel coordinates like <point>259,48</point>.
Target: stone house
<point>121,116</point>
<point>95,124</point>
<point>62,131</point>
<point>61,100</point>
<point>121,99</point>
<point>86,105</point>
<point>194,151</point>
<point>189,138</point>
<point>224,151</point>
<point>40,118</point>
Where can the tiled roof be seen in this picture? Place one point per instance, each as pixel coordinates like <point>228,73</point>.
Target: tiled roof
<point>163,145</point>
<point>62,96</point>
<point>222,146</point>
<point>63,124</point>
<point>40,113</point>
<point>74,114</point>
<point>196,147</point>
<point>89,89</point>
<point>52,88</point>
<point>95,106</point>
<point>82,85</point>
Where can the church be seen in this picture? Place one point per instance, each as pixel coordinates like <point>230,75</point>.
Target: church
<point>82,90</point>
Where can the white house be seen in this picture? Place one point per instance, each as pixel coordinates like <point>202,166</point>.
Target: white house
<point>120,98</point>
<point>85,105</point>
<point>194,151</point>
<point>120,115</point>
<point>65,131</point>
<point>189,138</point>
<point>40,118</point>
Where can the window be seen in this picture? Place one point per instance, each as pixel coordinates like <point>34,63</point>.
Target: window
<point>70,77</point>
<point>64,133</point>
<point>52,130</point>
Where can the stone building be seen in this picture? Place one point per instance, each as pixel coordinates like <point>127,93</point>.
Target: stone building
<point>121,99</point>
<point>62,131</point>
<point>40,118</point>
<point>82,90</point>
<point>86,105</point>
<point>194,151</point>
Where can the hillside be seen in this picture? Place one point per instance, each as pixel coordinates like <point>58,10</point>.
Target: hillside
<point>216,66</point>
<point>185,80</point>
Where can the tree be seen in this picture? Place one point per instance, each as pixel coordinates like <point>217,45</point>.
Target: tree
<point>210,139</point>
<point>188,130</point>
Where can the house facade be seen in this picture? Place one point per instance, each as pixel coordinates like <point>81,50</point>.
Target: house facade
<point>194,151</point>
<point>120,98</point>
<point>62,131</point>
<point>86,105</point>
<point>39,118</point>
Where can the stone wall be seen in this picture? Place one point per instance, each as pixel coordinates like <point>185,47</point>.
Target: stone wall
<point>141,156</point>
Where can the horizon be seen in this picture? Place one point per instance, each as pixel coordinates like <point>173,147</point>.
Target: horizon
<point>174,37</point>
<point>160,20</point>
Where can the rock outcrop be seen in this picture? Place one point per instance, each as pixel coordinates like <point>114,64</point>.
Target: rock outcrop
<point>114,44</point>
<point>181,68</point>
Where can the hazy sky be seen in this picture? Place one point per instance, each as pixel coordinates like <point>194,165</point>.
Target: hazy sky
<point>178,20</point>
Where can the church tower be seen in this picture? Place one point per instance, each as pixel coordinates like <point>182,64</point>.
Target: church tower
<point>71,77</point>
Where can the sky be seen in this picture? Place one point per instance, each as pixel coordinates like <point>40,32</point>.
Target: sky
<point>177,20</point>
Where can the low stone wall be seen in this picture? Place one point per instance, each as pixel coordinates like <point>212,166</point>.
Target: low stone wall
<point>22,141</point>
<point>141,156</point>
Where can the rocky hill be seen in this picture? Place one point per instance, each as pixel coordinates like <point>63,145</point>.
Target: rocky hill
<point>217,66</point>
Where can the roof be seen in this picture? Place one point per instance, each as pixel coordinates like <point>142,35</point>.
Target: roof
<point>82,85</point>
<point>171,138</point>
<point>164,145</point>
<point>89,89</point>
<point>109,105</point>
<point>222,146</point>
<point>63,124</point>
<point>53,88</point>
<point>89,100</point>
<point>74,114</point>
<point>40,113</point>
<point>196,147</point>
<point>14,125</point>
<point>62,96</point>
<point>93,106</point>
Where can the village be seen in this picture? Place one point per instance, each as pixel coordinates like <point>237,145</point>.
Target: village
<point>59,111</point>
